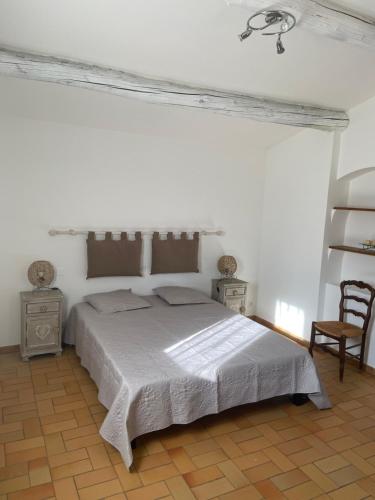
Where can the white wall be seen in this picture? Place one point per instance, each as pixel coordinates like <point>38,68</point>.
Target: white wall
<point>357,162</point>
<point>356,170</point>
<point>78,160</point>
<point>294,211</point>
<point>361,226</point>
<point>58,174</point>
<point>358,146</point>
<point>307,175</point>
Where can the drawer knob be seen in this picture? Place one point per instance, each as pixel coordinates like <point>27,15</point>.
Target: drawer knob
<point>235,292</point>
<point>43,309</point>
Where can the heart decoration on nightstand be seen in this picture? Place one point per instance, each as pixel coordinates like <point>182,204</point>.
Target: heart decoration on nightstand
<point>42,331</point>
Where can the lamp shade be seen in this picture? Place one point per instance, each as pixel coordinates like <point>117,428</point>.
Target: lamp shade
<point>227,265</point>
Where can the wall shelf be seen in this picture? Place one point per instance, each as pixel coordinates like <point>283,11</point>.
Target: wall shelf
<point>346,248</point>
<point>358,209</point>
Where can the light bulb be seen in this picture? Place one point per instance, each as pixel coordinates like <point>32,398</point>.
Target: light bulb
<point>279,46</point>
<point>284,26</point>
<point>245,34</point>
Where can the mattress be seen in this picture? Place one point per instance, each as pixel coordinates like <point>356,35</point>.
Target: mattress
<point>169,365</point>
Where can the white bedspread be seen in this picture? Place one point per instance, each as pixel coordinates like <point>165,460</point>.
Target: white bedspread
<point>174,364</point>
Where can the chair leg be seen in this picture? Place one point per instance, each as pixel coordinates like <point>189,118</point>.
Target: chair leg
<point>342,356</point>
<point>312,338</point>
<point>362,355</point>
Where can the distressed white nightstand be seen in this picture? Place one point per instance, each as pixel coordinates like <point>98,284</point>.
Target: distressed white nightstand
<point>41,322</point>
<point>231,292</point>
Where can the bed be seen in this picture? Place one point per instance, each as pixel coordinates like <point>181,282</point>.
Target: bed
<point>167,365</point>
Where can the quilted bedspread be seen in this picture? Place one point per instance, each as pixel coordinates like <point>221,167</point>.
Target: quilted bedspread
<point>169,365</point>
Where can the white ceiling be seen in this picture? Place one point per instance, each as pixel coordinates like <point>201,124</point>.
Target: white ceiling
<point>194,41</point>
<point>83,108</point>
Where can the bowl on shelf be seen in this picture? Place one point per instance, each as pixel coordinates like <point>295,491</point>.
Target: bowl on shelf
<point>368,244</point>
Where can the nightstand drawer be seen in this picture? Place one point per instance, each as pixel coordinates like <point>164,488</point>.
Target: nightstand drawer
<point>45,307</point>
<point>235,291</point>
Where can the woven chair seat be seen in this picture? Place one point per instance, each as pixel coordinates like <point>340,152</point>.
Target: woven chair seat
<point>337,329</point>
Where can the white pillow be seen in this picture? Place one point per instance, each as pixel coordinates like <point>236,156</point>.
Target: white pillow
<point>116,301</point>
<point>179,295</point>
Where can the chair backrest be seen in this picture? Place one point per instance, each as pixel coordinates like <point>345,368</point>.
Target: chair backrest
<point>350,295</point>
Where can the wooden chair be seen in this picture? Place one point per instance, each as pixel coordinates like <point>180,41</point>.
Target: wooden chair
<point>340,331</point>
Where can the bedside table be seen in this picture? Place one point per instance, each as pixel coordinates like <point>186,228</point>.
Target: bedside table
<point>231,292</point>
<point>41,322</point>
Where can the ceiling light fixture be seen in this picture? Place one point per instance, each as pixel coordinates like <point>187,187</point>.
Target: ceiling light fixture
<point>280,21</point>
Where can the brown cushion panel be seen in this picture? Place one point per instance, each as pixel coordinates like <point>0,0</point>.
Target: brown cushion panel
<point>175,255</point>
<point>113,257</point>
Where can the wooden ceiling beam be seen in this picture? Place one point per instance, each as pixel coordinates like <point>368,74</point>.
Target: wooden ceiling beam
<point>323,17</point>
<point>77,74</point>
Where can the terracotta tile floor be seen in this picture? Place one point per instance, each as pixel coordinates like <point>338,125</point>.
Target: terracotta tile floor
<point>50,446</point>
